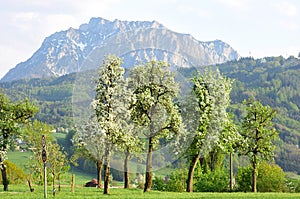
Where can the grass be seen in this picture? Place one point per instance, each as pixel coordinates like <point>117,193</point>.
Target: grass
<point>19,158</point>
<point>17,191</point>
<point>22,191</point>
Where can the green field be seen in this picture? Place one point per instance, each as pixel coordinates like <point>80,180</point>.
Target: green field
<point>22,191</point>
<point>17,191</point>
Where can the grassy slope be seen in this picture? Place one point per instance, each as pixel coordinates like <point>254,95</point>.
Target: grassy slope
<point>21,158</point>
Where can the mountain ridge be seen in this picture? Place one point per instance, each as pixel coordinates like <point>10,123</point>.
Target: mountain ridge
<point>75,50</point>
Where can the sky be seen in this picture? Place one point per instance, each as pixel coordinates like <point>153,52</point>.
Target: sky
<point>256,28</point>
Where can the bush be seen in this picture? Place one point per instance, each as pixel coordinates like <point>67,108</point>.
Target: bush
<point>177,181</point>
<point>271,178</point>
<point>159,184</point>
<point>292,185</point>
<point>213,181</point>
<point>244,179</point>
<point>297,187</point>
<point>15,175</point>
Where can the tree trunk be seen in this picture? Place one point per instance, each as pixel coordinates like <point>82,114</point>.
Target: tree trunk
<point>148,182</point>
<point>53,186</point>
<point>126,170</point>
<point>106,171</point>
<point>58,178</point>
<point>231,171</point>
<point>30,187</point>
<point>73,183</point>
<point>189,182</point>
<point>4,177</point>
<point>254,174</point>
<point>99,173</point>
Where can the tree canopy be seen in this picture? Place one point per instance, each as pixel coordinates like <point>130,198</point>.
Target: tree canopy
<point>258,134</point>
<point>153,106</point>
<point>12,116</point>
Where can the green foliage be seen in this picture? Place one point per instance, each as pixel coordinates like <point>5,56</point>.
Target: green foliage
<point>271,178</point>
<point>12,116</point>
<point>153,108</point>
<point>258,132</point>
<point>211,91</point>
<point>56,158</point>
<point>213,181</point>
<point>177,181</point>
<point>53,96</point>
<point>258,135</point>
<point>159,184</point>
<point>272,80</point>
<point>243,179</point>
<point>14,173</point>
<point>275,82</point>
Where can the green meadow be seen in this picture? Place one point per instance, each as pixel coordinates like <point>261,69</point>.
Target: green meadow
<point>22,191</point>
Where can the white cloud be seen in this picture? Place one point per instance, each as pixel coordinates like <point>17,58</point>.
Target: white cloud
<point>286,8</point>
<point>194,10</point>
<point>240,4</point>
<point>290,25</point>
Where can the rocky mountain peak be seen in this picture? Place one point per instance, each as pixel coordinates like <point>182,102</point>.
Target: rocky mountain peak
<point>80,49</point>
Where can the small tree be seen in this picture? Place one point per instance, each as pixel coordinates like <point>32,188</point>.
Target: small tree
<point>59,164</point>
<point>12,115</point>
<point>32,135</point>
<point>153,107</point>
<point>229,141</point>
<point>132,144</point>
<point>258,134</point>
<point>56,158</point>
<point>90,142</point>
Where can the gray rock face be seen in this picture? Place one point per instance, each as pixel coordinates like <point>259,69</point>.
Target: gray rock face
<point>84,48</point>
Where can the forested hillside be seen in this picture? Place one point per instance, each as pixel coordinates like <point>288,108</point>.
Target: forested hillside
<point>272,80</point>
<point>53,96</point>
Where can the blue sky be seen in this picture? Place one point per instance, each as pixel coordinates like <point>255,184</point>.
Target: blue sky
<point>255,28</point>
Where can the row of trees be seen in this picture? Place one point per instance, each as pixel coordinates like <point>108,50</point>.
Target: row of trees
<point>271,80</point>
<point>145,109</point>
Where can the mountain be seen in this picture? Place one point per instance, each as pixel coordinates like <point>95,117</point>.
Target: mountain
<point>80,49</point>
